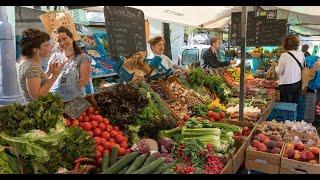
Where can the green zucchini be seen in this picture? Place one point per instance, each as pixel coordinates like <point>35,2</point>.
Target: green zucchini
<point>105,162</point>
<point>124,170</point>
<point>168,171</point>
<point>149,160</point>
<point>150,167</point>
<point>123,162</point>
<point>137,163</point>
<point>162,169</point>
<point>113,156</point>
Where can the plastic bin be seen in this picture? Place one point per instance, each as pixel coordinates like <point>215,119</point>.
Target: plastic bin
<point>101,35</point>
<point>301,108</point>
<point>283,111</point>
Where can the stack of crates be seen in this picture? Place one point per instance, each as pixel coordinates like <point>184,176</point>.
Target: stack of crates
<point>283,111</point>
<point>301,108</point>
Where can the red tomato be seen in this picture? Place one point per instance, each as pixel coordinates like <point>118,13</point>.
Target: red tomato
<point>98,154</point>
<point>75,122</point>
<point>210,114</point>
<point>100,148</point>
<point>99,118</point>
<point>102,141</point>
<point>94,124</point>
<point>68,122</point>
<point>97,132</point>
<point>81,124</point>
<point>105,135</point>
<point>106,120</point>
<point>87,126</point>
<point>121,133</point>
<point>112,140</point>
<point>84,114</point>
<point>86,119</point>
<point>122,151</point>
<point>124,145</point>
<point>102,126</point>
<point>90,110</point>
<point>113,133</point>
<point>107,145</point>
<point>96,112</point>
<point>125,138</point>
<point>91,117</point>
<point>97,140</point>
<point>128,150</point>
<point>91,133</point>
<point>116,128</point>
<point>119,138</point>
<point>81,118</point>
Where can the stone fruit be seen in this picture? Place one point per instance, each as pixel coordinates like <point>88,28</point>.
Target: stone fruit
<point>274,138</point>
<point>262,147</point>
<point>296,155</point>
<point>290,146</point>
<point>314,150</point>
<point>303,156</point>
<point>279,144</point>
<point>255,143</point>
<point>290,153</point>
<point>257,137</point>
<point>309,155</point>
<point>266,140</point>
<point>271,144</point>
<point>276,150</point>
<point>299,146</point>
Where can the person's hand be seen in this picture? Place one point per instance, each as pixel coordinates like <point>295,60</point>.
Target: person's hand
<point>233,62</point>
<point>57,68</point>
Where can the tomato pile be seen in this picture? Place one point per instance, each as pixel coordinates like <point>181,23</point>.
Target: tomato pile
<point>216,116</point>
<point>104,133</point>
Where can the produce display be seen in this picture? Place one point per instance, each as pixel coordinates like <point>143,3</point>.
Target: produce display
<point>301,127</point>
<point>270,144</point>
<point>249,113</point>
<point>93,53</point>
<point>300,152</point>
<point>88,40</point>
<point>106,136</point>
<point>272,128</point>
<point>185,96</point>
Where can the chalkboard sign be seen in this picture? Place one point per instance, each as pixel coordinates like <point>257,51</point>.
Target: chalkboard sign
<point>76,107</point>
<point>261,31</point>
<point>166,32</point>
<point>126,29</point>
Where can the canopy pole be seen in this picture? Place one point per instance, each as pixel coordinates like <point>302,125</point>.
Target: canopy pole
<point>243,58</point>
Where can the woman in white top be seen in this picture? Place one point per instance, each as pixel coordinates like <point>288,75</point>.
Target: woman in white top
<point>157,48</point>
<point>289,70</point>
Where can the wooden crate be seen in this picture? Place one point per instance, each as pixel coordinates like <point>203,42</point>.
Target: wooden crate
<point>291,165</point>
<point>239,157</point>
<point>303,137</point>
<point>290,171</point>
<point>263,162</point>
<point>165,89</point>
<point>228,168</point>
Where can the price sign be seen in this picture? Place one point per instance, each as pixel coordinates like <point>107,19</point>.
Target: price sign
<point>76,107</point>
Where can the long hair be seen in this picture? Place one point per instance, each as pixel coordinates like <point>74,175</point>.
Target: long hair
<point>63,29</point>
<point>32,38</point>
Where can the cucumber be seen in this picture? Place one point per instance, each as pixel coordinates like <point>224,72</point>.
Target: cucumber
<point>137,163</point>
<point>162,169</point>
<point>113,156</point>
<point>105,162</point>
<point>124,170</point>
<point>122,163</point>
<point>168,171</point>
<point>150,167</point>
<point>149,160</point>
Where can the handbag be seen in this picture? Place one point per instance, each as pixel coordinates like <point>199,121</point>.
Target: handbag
<point>307,74</point>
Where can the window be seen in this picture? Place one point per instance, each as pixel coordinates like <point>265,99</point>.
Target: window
<point>190,56</point>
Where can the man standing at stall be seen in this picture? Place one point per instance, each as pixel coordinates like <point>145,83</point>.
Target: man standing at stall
<point>211,57</point>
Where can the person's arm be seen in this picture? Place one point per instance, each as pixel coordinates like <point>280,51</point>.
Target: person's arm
<point>281,65</point>
<point>33,83</point>
<point>218,63</point>
<point>85,70</point>
<point>50,63</point>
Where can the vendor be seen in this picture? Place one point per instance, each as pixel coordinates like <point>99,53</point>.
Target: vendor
<point>33,80</point>
<point>210,56</point>
<point>304,49</point>
<point>157,48</point>
<point>289,70</point>
<point>76,72</point>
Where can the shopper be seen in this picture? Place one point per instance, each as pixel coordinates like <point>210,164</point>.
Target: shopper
<point>157,47</point>
<point>76,72</point>
<point>210,56</point>
<point>304,49</point>
<point>289,70</point>
<point>33,80</point>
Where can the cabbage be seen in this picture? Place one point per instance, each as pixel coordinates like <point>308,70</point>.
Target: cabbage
<point>145,146</point>
<point>166,145</point>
